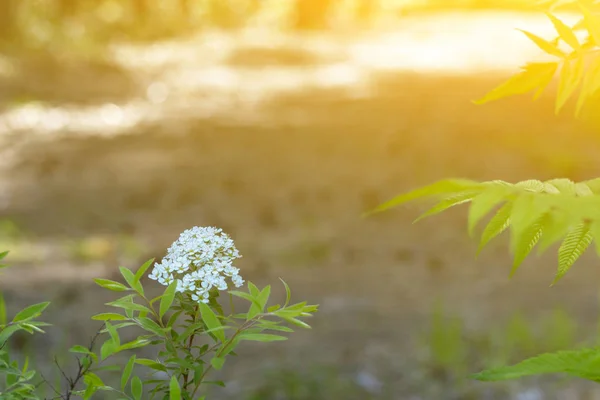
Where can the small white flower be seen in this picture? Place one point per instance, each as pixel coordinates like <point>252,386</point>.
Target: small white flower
<point>198,261</point>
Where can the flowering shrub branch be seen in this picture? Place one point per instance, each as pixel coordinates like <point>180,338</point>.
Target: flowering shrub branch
<point>186,325</point>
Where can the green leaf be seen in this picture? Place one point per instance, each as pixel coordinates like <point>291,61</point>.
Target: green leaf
<point>109,317</point>
<point>83,350</point>
<point>131,281</point>
<point>127,372</point>
<point>543,44</point>
<point>134,344</point>
<point>141,270</point>
<point>211,321</point>
<point>526,241</point>
<point>564,186</point>
<point>288,293</point>
<point>167,299</point>
<point>564,32</point>
<point>151,364</point>
<point>136,388</point>
<point>447,203</point>
<point>174,389</point>
<point>111,285</point>
<point>129,305</point>
<point>498,224</point>
<point>7,332</point>
<point>261,337</point>
<point>575,243</point>
<point>31,312</point>
<point>483,204</point>
<point>113,333</point>
<point>108,348</point>
<point>217,362</point>
<point>578,363</point>
<point>151,326</point>
<point>556,226</point>
<point>448,186</point>
<point>533,76</point>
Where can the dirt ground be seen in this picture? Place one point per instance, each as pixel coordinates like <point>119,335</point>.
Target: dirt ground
<point>288,176</point>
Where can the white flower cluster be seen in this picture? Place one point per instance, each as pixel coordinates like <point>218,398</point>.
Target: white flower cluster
<point>198,261</point>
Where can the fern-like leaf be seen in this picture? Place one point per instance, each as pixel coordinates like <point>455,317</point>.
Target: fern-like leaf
<point>581,363</point>
<point>444,187</point>
<point>484,202</point>
<point>525,240</point>
<point>448,202</point>
<point>564,186</point>
<point>575,243</point>
<point>556,227</point>
<point>498,224</point>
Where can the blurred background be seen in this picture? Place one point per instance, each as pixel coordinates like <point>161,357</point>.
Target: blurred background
<point>124,122</point>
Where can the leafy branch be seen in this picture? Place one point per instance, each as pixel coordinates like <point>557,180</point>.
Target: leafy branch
<point>536,213</point>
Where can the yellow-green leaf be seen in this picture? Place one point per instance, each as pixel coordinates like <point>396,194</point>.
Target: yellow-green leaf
<point>533,76</point>
<point>564,32</point>
<point>575,243</point>
<point>211,321</point>
<point>592,22</point>
<point>498,224</point>
<point>526,241</point>
<point>447,203</point>
<point>447,186</point>
<point>570,77</point>
<point>545,45</point>
<point>483,204</point>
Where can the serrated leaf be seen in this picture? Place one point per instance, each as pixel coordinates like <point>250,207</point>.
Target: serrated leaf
<point>525,242</point>
<point>498,224</point>
<point>565,33</point>
<point>564,186</point>
<point>532,185</point>
<point>443,187</point>
<point>533,76</point>
<point>543,44</point>
<point>579,363</point>
<point>483,204</point>
<point>447,203</point>
<point>556,226</point>
<point>575,243</point>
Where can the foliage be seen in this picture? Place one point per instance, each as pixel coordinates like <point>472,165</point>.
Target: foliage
<point>536,212</point>
<point>577,64</point>
<point>191,338</point>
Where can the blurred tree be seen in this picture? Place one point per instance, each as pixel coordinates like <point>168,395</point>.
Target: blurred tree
<point>311,14</point>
